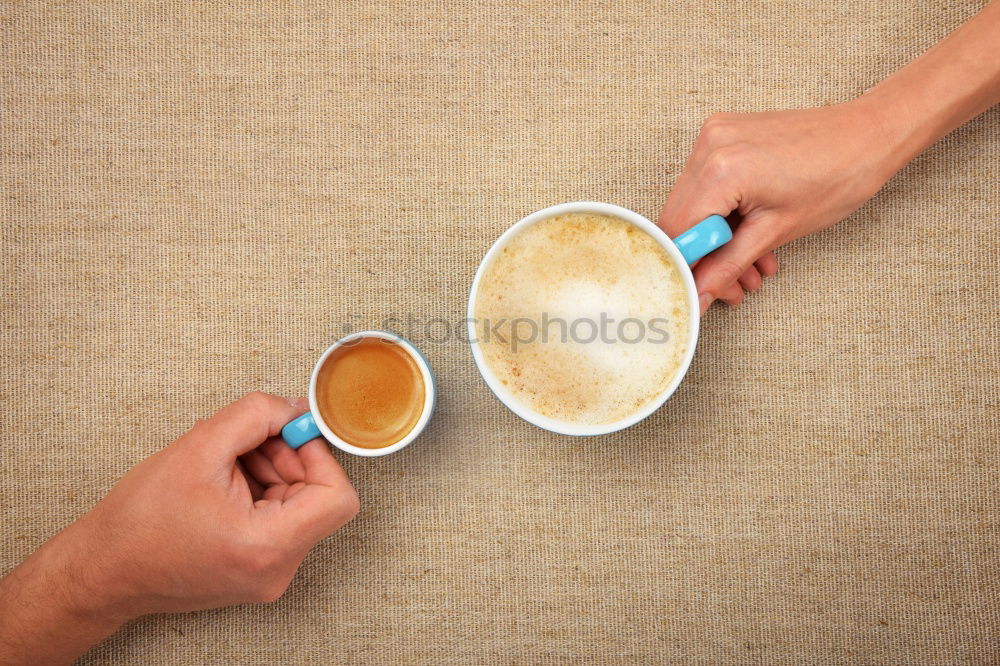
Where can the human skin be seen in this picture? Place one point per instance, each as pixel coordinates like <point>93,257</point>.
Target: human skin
<point>226,513</point>
<point>223,515</point>
<point>781,175</point>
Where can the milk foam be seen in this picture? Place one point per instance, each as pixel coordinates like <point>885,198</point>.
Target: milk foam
<point>580,268</point>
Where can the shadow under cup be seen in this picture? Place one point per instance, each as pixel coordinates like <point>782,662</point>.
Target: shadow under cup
<point>704,237</point>
<point>370,394</point>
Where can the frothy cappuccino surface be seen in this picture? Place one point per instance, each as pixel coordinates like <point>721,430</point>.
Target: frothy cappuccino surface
<point>583,317</point>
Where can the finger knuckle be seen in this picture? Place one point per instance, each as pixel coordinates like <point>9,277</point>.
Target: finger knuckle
<point>271,590</point>
<point>350,504</point>
<point>257,559</point>
<point>751,282</point>
<point>728,271</point>
<point>196,428</point>
<point>722,163</point>
<point>257,399</point>
<point>340,511</point>
<point>776,231</point>
<point>735,300</point>
<point>714,120</point>
<point>715,127</point>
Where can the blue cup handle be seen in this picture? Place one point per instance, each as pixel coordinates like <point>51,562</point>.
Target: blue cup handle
<point>301,430</point>
<point>710,234</point>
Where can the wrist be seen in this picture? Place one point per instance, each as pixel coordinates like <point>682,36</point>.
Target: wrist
<point>892,137</point>
<point>899,133</point>
<point>53,610</point>
<point>95,589</point>
<point>949,84</point>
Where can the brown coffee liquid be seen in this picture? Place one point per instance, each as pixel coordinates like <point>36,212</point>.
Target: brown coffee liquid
<point>370,393</point>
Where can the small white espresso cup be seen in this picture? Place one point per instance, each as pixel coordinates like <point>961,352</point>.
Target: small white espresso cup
<point>709,234</point>
<point>311,425</point>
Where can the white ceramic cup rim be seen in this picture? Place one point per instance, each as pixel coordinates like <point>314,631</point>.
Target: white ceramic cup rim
<point>563,427</point>
<point>425,414</point>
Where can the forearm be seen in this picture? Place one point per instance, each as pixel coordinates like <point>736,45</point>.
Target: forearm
<point>50,609</point>
<point>949,84</point>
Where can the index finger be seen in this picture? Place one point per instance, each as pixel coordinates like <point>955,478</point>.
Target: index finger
<point>695,196</point>
<point>242,425</point>
<point>669,220</point>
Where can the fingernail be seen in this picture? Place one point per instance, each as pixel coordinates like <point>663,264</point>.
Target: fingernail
<point>705,300</point>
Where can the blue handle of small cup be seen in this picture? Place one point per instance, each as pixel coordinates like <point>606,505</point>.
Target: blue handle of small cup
<point>301,430</point>
<point>710,234</point>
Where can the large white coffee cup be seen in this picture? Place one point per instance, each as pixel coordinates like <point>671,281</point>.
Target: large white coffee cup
<point>707,235</point>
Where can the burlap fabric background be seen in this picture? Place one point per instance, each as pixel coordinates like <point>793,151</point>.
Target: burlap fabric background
<point>198,199</point>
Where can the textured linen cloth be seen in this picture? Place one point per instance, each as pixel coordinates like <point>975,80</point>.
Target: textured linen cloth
<point>197,198</point>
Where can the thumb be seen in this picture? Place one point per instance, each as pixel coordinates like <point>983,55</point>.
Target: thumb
<point>718,271</point>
